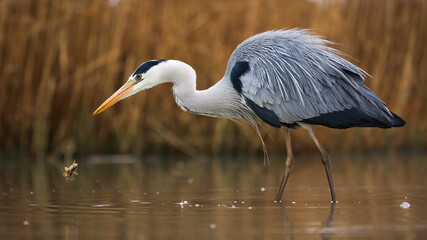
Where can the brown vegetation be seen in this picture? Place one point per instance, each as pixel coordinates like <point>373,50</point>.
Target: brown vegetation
<point>60,59</point>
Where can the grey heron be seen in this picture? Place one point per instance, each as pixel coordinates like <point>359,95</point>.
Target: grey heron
<point>286,78</point>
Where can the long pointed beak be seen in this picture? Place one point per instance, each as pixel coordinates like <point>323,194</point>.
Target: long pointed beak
<point>120,94</point>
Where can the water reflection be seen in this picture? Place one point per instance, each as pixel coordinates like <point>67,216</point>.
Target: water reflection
<point>328,225</point>
<point>325,228</point>
<point>220,198</point>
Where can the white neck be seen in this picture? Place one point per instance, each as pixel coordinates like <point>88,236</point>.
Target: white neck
<point>220,100</point>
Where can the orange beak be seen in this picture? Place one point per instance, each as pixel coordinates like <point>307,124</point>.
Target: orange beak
<point>120,94</point>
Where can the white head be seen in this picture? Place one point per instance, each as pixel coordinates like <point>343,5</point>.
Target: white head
<point>148,75</point>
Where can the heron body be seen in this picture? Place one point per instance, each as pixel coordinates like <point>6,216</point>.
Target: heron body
<point>286,78</point>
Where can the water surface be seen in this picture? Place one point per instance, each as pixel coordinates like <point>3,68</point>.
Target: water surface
<point>214,198</point>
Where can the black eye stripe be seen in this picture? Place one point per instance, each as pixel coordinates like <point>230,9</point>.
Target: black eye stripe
<point>146,66</point>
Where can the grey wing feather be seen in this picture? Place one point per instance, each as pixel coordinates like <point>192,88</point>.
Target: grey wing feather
<point>298,77</point>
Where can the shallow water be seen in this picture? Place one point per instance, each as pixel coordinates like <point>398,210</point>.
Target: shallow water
<point>215,198</point>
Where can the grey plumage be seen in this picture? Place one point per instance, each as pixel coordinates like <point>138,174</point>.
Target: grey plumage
<point>298,77</point>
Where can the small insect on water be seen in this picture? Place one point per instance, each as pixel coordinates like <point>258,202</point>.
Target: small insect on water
<point>71,171</point>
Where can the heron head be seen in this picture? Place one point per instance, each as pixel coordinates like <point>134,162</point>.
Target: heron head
<point>147,75</point>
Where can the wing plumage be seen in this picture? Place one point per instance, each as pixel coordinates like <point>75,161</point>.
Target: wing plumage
<point>299,78</point>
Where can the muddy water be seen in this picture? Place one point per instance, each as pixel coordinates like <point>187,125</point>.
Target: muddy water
<point>214,198</point>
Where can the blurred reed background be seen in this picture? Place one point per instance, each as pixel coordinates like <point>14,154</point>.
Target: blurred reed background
<point>59,60</point>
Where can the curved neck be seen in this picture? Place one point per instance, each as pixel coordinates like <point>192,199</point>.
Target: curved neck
<point>220,100</point>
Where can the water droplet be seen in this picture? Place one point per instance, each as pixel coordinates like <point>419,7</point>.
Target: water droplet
<point>101,205</point>
<point>182,203</point>
<point>262,189</point>
<point>405,205</point>
<point>249,207</point>
<point>26,222</point>
<point>212,226</point>
<point>293,202</point>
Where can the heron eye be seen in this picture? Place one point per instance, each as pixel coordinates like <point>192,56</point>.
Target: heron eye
<point>138,76</point>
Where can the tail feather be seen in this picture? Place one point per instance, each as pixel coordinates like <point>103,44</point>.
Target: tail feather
<point>354,117</point>
<point>397,121</point>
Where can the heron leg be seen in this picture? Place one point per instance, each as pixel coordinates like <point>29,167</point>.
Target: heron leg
<point>326,163</point>
<point>289,165</point>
